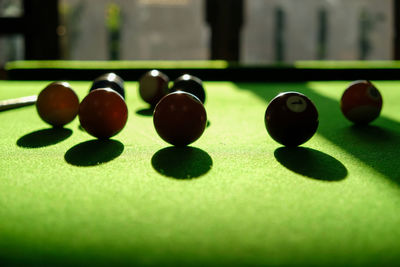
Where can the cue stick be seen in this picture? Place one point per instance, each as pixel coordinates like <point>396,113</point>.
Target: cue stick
<point>17,102</point>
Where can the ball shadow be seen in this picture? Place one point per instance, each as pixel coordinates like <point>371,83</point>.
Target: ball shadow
<point>93,152</point>
<point>372,134</point>
<point>182,162</point>
<point>44,137</point>
<point>145,111</point>
<point>311,163</point>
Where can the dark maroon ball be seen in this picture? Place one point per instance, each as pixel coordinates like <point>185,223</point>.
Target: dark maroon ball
<point>103,113</point>
<point>180,118</point>
<point>109,80</point>
<point>153,85</point>
<point>291,119</point>
<point>190,84</point>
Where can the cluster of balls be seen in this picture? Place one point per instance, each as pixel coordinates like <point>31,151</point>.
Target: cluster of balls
<point>102,113</point>
<point>179,115</point>
<point>291,118</point>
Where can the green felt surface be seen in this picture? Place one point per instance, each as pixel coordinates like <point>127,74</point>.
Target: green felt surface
<point>67,199</point>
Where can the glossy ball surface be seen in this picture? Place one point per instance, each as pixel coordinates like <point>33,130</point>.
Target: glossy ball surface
<point>57,104</point>
<point>190,84</point>
<point>361,102</point>
<point>180,118</point>
<point>103,113</point>
<point>109,80</point>
<point>153,86</point>
<point>291,119</point>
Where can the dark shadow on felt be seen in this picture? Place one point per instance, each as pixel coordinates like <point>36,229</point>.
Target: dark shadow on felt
<point>93,152</point>
<point>44,137</point>
<point>182,162</point>
<point>311,163</point>
<point>371,133</point>
<point>145,111</point>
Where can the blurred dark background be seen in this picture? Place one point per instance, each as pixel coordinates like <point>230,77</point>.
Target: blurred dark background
<point>247,31</point>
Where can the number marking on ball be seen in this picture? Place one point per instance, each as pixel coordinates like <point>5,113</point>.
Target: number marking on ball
<point>373,93</point>
<point>296,103</point>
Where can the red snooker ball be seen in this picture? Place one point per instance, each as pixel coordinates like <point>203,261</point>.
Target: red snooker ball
<point>180,118</point>
<point>291,119</point>
<point>153,85</point>
<point>57,104</point>
<point>103,113</point>
<point>361,102</point>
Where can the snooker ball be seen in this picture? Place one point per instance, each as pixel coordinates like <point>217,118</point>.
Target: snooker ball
<point>180,118</point>
<point>57,104</point>
<point>109,80</point>
<point>190,84</point>
<point>361,102</point>
<point>103,113</point>
<point>291,119</point>
<point>153,85</point>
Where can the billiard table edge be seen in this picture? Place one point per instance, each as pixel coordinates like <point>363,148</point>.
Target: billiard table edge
<point>206,70</point>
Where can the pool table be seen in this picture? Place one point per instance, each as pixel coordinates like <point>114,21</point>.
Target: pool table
<point>233,197</point>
